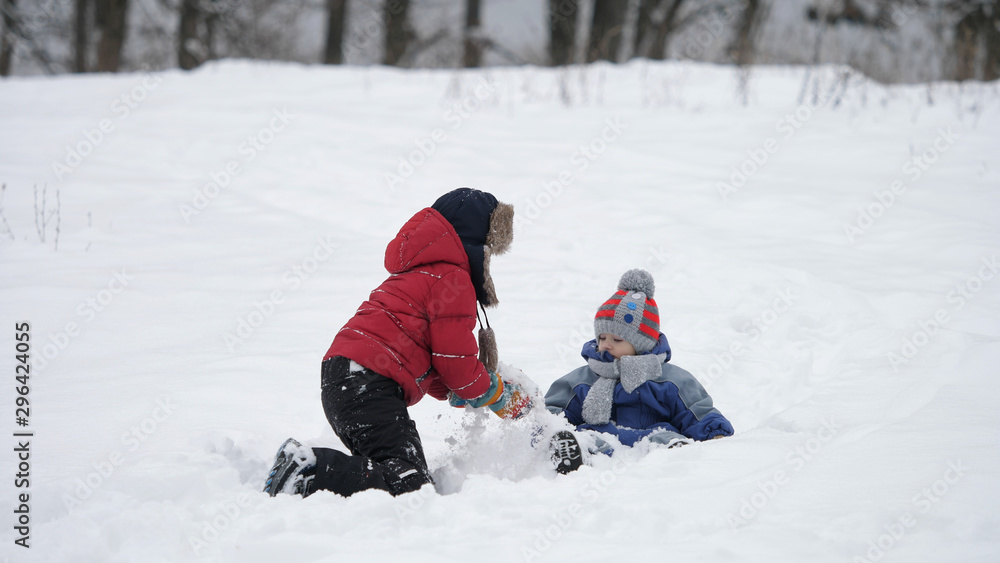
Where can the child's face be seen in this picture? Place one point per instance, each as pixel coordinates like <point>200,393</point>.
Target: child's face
<point>614,345</point>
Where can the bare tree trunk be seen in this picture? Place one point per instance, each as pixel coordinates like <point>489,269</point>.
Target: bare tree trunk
<point>7,42</point>
<point>187,35</point>
<point>562,31</point>
<point>473,49</point>
<point>644,25</point>
<point>652,19</point>
<point>824,22</point>
<point>397,30</point>
<point>334,54</point>
<point>743,48</point>
<point>606,30</point>
<point>212,20</point>
<point>656,21</point>
<point>977,41</point>
<point>966,45</point>
<point>80,36</point>
<point>658,50</point>
<point>111,23</point>
<point>991,64</point>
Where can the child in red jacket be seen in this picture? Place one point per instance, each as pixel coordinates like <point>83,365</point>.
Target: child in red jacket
<point>412,337</point>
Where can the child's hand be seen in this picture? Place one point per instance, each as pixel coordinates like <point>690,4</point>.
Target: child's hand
<point>492,395</point>
<point>506,399</point>
<point>514,403</point>
<point>456,401</point>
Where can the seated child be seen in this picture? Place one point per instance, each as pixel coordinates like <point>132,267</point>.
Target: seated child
<point>628,388</point>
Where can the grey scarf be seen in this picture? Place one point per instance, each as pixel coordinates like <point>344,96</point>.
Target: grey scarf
<point>632,371</point>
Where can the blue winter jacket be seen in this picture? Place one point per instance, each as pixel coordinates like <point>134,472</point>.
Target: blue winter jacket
<point>670,405</point>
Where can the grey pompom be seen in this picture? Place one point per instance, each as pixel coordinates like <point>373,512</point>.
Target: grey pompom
<point>638,280</point>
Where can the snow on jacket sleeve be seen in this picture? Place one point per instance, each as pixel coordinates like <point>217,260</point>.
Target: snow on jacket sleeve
<point>451,314</point>
<point>694,415</point>
<point>660,433</point>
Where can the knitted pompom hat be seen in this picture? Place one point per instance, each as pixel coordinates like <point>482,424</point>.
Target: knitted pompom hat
<point>631,312</point>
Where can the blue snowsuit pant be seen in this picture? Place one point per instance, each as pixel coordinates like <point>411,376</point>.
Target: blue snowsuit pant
<point>368,413</point>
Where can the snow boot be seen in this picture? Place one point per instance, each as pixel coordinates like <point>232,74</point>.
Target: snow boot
<point>293,470</point>
<point>565,452</point>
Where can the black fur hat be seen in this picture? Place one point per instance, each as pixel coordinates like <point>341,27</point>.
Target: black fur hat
<point>486,227</point>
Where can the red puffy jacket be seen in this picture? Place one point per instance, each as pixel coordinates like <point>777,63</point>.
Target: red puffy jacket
<point>417,327</point>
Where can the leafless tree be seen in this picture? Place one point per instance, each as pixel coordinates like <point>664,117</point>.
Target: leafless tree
<point>254,29</point>
<point>742,51</point>
<point>26,29</point>
<point>337,15</point>
<point>472,51</point>
<point>110,19</point>
<point>655,21</point>
<point>562,31</point>
<point>7,41</point>
<point>606,30</point>
<point>398,33</point>
<point>977,39</point>
<point>191,45</point>
<point>81,17</point>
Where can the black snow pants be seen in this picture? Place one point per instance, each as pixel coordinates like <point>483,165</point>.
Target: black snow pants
<point>368,413</point>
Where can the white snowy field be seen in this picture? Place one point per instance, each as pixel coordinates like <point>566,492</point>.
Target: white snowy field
<point>827,267</point>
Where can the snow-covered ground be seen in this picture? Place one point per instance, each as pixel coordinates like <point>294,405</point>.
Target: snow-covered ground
<point>827,267</point>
